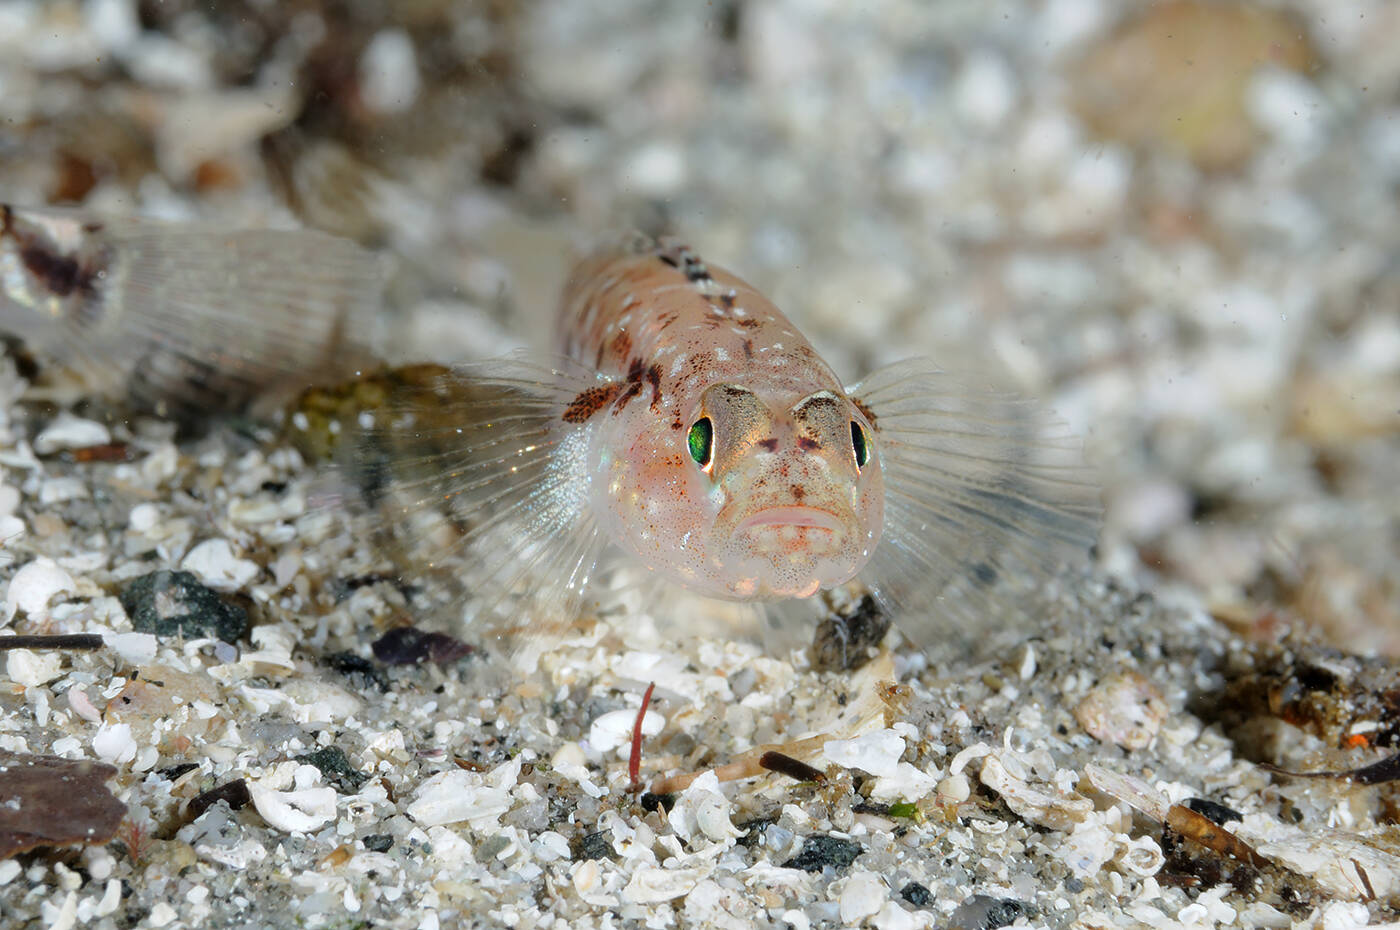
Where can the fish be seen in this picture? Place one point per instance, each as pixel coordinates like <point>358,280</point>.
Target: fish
<point>681,426</point>
<point>181,319</point>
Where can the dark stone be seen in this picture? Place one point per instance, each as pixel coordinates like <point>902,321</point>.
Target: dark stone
<point>843,641</point>
<point>362,673</point>
<point>593,846</point>
<point>233,793</point>
<point>916,894</point>
<point>170,603</point>
<point>1073,885</point>
<point>984,912</point>
<point>820,851</point>
<point>175,771</point>
<point>1213,811</point>
<point>407,645</point>
<point>654,802</point>
<point>336,768</point>
<point>379,842</point>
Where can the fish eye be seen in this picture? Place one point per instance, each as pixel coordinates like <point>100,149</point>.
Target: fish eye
<point>860,444</point>
<point>701,441</point>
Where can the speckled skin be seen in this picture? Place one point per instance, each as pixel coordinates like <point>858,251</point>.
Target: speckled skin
<point>784,507</point>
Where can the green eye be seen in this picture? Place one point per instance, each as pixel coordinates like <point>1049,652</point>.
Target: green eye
<point>702,442</point>
<point>860,445</point>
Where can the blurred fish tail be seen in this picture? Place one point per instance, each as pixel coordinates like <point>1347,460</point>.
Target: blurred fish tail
<point>185,320</point>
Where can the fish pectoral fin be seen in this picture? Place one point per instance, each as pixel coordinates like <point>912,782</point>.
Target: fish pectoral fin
<point>488,484</point>
<point>985,495</point>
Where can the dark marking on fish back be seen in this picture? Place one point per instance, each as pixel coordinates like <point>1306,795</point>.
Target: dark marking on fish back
<point>589,401</point>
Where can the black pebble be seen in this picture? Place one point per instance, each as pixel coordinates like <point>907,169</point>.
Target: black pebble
<point>916,894</point>
<point>233,793</point>
<point>820,851</point>
<point>379,842</point>
<point>336,768</point>
<point>593,846</point>
<point>406,645</point>
<point>1213,811</point>
<point>843,641</point>
<point>361,672</point>
<point>170,603</point>
<point>653,802</point>
<point>984,912</point>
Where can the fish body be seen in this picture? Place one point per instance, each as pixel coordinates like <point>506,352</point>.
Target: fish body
<point>688,427</point>
<point>684,426</point>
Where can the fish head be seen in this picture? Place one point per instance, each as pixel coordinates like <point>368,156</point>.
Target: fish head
<point>760,493</point>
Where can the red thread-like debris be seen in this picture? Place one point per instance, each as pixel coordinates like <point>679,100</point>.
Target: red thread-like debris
<point>634,762</point>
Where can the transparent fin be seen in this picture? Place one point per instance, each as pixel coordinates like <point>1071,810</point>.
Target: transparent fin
<point>482,495</point>
<point>985,495</point>
<point>186,320</point>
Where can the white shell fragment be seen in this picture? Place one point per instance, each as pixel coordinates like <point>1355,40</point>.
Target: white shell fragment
<point>1056,811</point>
<point>1125,709</point>
<point>70,432</point>
<point>653,885</point>
<point>864,895</point>
<point>457,796</point>
<point>1333,859</point>
<point>701,813</point>
<point>33,668</point>
<point>296,811</point>
<point>35,586</point>
<point>214,563</point>
<point>114,743</point>
<point>613,730</point>
<point>132,648</point>
<point>878,753</point>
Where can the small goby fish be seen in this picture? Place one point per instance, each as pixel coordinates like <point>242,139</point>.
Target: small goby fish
<point>687,426</point>
<point>182,319</point>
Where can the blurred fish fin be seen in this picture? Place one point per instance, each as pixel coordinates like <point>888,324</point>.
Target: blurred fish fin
<point>486,491</point>
<point>985,495</point>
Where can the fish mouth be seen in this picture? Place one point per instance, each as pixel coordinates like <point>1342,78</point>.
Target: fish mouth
<point>791,516</point>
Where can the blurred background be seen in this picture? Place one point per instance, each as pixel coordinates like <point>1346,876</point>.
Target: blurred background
<point>1175,221</point>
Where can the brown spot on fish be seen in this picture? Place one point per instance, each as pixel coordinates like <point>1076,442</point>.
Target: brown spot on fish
<point>654,379</point>
<point>808,444</point>
<point>636,370</point>
<point>589,401</point>
<point>622,344</point>
<point>797,492</point>
<point>749,322</point>
<point>631,390</point>
<point>748,348</point>
<point>770,444</point>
